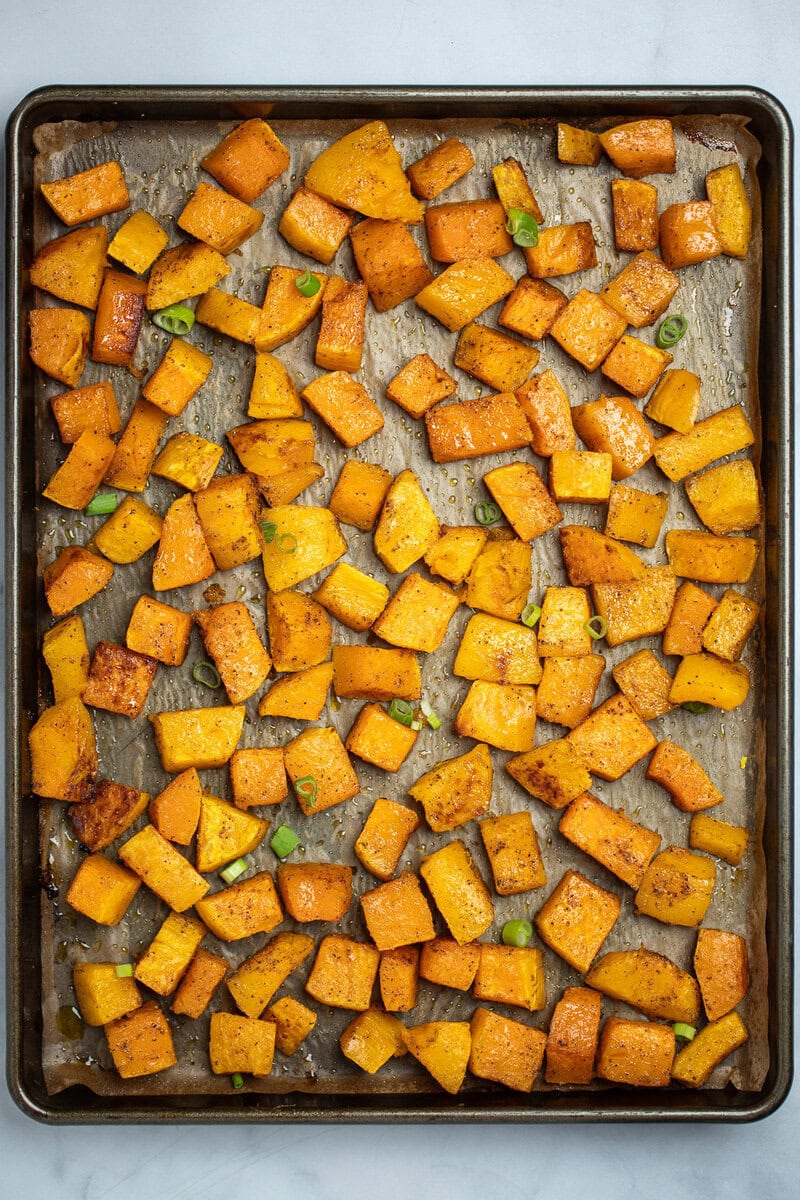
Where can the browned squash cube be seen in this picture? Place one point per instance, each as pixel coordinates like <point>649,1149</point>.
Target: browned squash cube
<point>612,739</point>
<point>95,192</point>
<point>203,976</point>
<point>440,168</point>
<point>591,557</point>
<point>397,914</point>
<point>513,189</point>
<point>458,891</point>
<point>635,214</point>
<point>572,1037</point>
<point>730,625</point>
<point>473,428</point>
<point>371,673</point>
<point>443,961</point>
<point>637,609</point>
<point>635,365</point>
<point>505,1051</point>
<point>642,290</point>
<point>380,844</point>
<point>359,494</point>
<point>683,633</point>
<point>293,1022</point>
<point>197,737</point>
<point>118,319</point>
<point>708,558</point>
<point>499,361</point>
<point>101,994</point>
<point>299,631</point>
<point>220,220</point>
<point>621,845</point>
<point>175,811</point>
<point>649,982</point>
<point>689,233</point>
<point>343,973</point>
<point>510,975</point>
<point>467,229</point>
<point>581,476</point>
<point>398,978</point>
<point>676,887</point>
<point>301,695</point>
<point>567,689</point>
<point>453,553</point>
<point>313,532</point>
<point>419,385</point>
<point>417,615</point>
<point>613,425</point>
<point>526,503</point>
<point>248,159</point>
<point>501,714</point>
<point>683,777</point>
<point>443,1048</point>
<point>364,171</point>
<point>59,342</point>
<point>167,957</point>
<point>635,516</point>
<point>163,868</point>
<point>345,406</point>
<point>554,773</point>
<point>532,308</point>
<point>105,818</point>
<point>576,919</point>
<point>102,890</point>
<point>722,969</point>
<point>129,532</point>
<point>141,1042</point>
<point>456,791</point>
<point>119,679</point>
<point>588,329</point>
<point>733,214</point>
<point>562,631</point>
<point>71,267</point>
<point>562,250</point>
<point>547,407</point>
<point>500,578</point>
<point>637,1053</point>
<point>499,651</point>
<point>646,683</point>
<point>372,1039</point>
<point>644,147</point>
<point>407,526</point>
<point>726,841</point>
<point>257,979</point>
<point>77,479</point>
<point>313,226</point>
<point>315,891</point>
<point>512,848</point>
<point>389,261</point>
<point>286,310</point>
<point>243,909</point>
<point>159,630</point>
<point>258,776</point>
<point>63,752</point>
<point>676,400</point>
<point>240,1045</point>
<point>726,498</point>
<point>93,407</point>
<point>230,315</point>
<point>578,146</point>
<point>183,556</point>
<point>463,291</point>
<point>320,755</point>
<point>695,1062</point>
<point>273,394</point>
<point>341,335</point>
<point>679,454</point>
<point>355,599</point>
<point>232,642</point>
<point>137,448</point>
<point>377,738</point>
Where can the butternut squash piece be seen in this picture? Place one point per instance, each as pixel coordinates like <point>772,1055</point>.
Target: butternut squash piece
<point>183,556</point>
<point>467,229</point>
<point>66,654</point>
<point>676,400</point>
<point>380,844</point>
<point>443,1049</point>
<point>248,159</point>
<point>354,598</point>
<point>612,739</point>
<point>313,226</point>
<point>532,308</point>
<point>646,683</point>
<point>720,838</point>
<point>231,640</point>
<point>119,679</point>
<point>733,215</point>
<point>159,630</point>
<point>554,773</point>
<point>621,845</point>
<point>591,557</point>
<point>688,233</point>
<point>225,833</point>
<point>343,973</point>
<point>240,1045</point>
<point>165,960</point>
<point>183,271</point>
<point>706,679</point>
<point>725,432</point>
<point>317,539</point>
<point>293,1022</point>
<point>473,428</point>
<point>175,811</point>
<point>581,476</point>
<point>642,290</point>
<point>372,673</point>
<point>63,752</point>
<point>567,689</point>
<point>676,887</point>
<point>501,714</point>
<point>499,361</point>
<point>635,214</point>
<point>576,919</point>
<point>340,341</point>
<point>636,609</point>
<point>71,267</point>
<point>683,777</point>
<point>722,970</point>
<point>257,979</point>
<point>547,408</point>
<point>512,848</point>
<point>647,981</point>
<point>101,994</point>
<point>141,1043</point>
<point>417,615</point>
<point>396,913</point>
<point>637,1053</point>
<point>73,577</point>
<point>562,631</point>
<point>315,891</point>
<point>644,147</point>
<point>203,976</point>
<point>75,482</point>
<point>102,890</point>
<point>562,250</point>
<point>464,290</point>
<point>372,1039</point>
<point>407,526</point>
<point>573,1036</point>
<point>709,558</point>
<point>578,146</point>
<point>511,975</point>
<point>363,170</point>
<point>398,976</point>
<point>163,868</point>
<point>726,498</point>
<point>319,754</point>
<point>419,385</point>
<point>683,633</point>
<point>118,320</point>
<point>588,329</point>
<point>514,190</point>
<point>730,625</point>
<point>92,407</point>
<point>59,342</point>
<point>457,790</point>
<point>359,493</point>
<point>635,516</point>
<point>138,242</point>
<point>137,448</point>
<point>300,696</point>
<point>228,510</point>
<point>389,261</point>
<point>111,811</point>
<point>197,737</point>
<point>444,962</point>
<point>132,530</point>
<point>524,500</point>
<point>458,891</point>
<point>695,1062</point>
<point>505,1051</point>
<point>243,909</point>
<point>95,192</point>
<point>218,219</point>
<point>440,168</point>
<point>258,776</point>
<point>613,425</point>
<point>378,739</point>
<point>345,406</point>
<point>635,366</point>
<point>229,315</point>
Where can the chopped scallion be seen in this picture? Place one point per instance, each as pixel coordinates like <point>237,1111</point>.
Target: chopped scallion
<point>286,543</point>
<point>523,227</point>
<point>235,870</point>
<point>124,970</point>
<point>517,933</point>
<point>402,712</point>
<point>176,319</point>
<point>307,284</point>
<point>685,1032</point>
<point>306,789</point>
<point>486,513</point>
<point>416,725</point>
<point>530,615</point>
<point>697,706</point>
<point>100,505</point>
<point>671,331</point>
<point>596,627</point>
<point>429,715</point>
<point>207,674</point>
<point>269,529</point>
<point>237,1082</point>
<point>284,840</point>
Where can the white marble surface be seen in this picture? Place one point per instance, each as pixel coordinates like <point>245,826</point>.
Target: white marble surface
<point>753,42</point>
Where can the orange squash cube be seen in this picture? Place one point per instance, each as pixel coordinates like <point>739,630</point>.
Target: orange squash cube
<point>163,868</point>
<point>183,556</point>
<point>445,962</point>
<point>649,982</point>
<point>240,1045</point>
<point>93,407</point>
<point>203,976</point>
<point>178,377</point>
<point>562,631</point>
<point>119,679</point>
<point>397,914</point>
<point>102,890</point>
<point>407,526</point>
<point>380,844</point>
<point>621,845</point>
<point>443,1048</point>
<point>320,754</point>
<point>635,516</point>
<point>683,777</point>
<point>636,609</point>
<point>499,651</point>
<point>676,400</point>
<point>554,773</point>
<point>389,261</point>
<point>709,558</point>
<point>501,362</point>
<point>467,229</point>
<point>514,190</point>
<point>118,319</point>
<point>225,833</point>
<point>578,146</point>
<point>562,250</point>
<point>417,615</point>
<point>505,1051</point>
<point>141,1042</point>
<point>232,642</point>
<point>248,159</point>
<point>314,226</point>
<point>510,975</point>
<point>315,891</point>
<point>642,290</point>
<point>66,653</point>
<point>59,342</point>
<point>464,290</point>
<point>75,482</point>
<point>720,838</point>
<point>455,550</point>
<point>715,1041</point>
<point>591,557</point>
<point>646,683</point>
<point>197,737</point>
<point>299,631</point>
<point>132,530</point>
<point>137,448</point>
<point>257,979</point>
<point>512,848</point>
<point>532,308</point>
<point>220,220</point>
<point>733,214</point>
<point>573,1036</point>
<point>588,329</point>
<point>293,1022</point>
<point>635,365</point>
<point>576,919</point>
<point>175,811</point>
<point>525,501</point>
<point>683,633</point>
<point>345,406</point>
<point>138,242</point>
<point>71,267</point>
<point>359,493</point>
<point>114,808</point>
<point>101,994</point>
<point>398,977</point>
<point>341,336</point>
<point>473,428</point>
<point>159,630</point>
<point>500,714</point>
<point>730,625</point>
<point>637,1053</point>
<point>343,973</point>
<point>419,385</point>
<point>363,170</point>
<point>457,790</point>
<point>258,776</point>
<point>722,970</point>
<point>440,168</point>
<point>676,887</point>
<point>644,147</point>
<point>93,193</point>
<point>612,739</point>
<point>458,891</point>
<point>689,233</point>
<point>63,752</point>
<point>581,476</point>
<point>378,739</point>
<point>167,957</point>
<point>567,689</point>
<point>371,673</point>
<point>301,696</point>
<point>725,432</point>
<point>355,599</point>
<point>286,311</point>
<point>372,1039</point>
<point>726,498</point>
<point>613,425</point>
<point>230,315</point>
<point>547,407</point>
<point>635,214</point>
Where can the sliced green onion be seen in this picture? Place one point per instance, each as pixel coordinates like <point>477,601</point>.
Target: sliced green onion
<point>124,970</point>
<point>523,228</point>
<point>306,789</point>
<point>235,870</point>
<point>206,673</point>
<point>237,1082</point>
<point>686,1032</point>
<point>596,627</point>
<point>307,284</point>
<point>530,615</point>
<point>283,841</point>
<point>517,933</point>
<point>429,715</point>
<point>487,513</point>
<point>99,505</point>
<point>697,706</point>
<point>269,529</point>
<point>176,318</point>
<point>416,725</point>
<point>671,331</point>
<point>402,712</point>
<point>286,543</point>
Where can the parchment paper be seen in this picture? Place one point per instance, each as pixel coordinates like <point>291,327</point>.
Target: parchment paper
<point>720,299</point>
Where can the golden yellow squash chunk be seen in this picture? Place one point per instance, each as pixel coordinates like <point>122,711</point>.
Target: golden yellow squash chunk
<point>676,887</point>
<point>225,833</point>
<point>63,752</point>
<point>364,171</point>
<point>457,790</point>
<point>407,526</point>
<point>197,737</point>
<point>305,541</point>
<point>459,891</point>
<point>443,1048</point>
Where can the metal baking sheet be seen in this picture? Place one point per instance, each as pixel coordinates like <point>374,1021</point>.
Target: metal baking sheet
<point>348,1093</point>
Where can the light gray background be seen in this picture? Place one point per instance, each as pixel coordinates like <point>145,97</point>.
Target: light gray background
<point>568,42</point>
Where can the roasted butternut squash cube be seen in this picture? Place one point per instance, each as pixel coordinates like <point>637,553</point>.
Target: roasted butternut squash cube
<point>646,683</point>
<point>93,407</point>
<point>163,869</point>
<point>398,978</point>
<point>456,790</point>
<point>257,979</point>
<point>293,1022</point>
<point>562,250</point>
<point>320,754</point>
<point>197,737</point>
<point>203,976</point>
<point>355,599</point>
<point>343,973</point>
<point>101,994</point>
<point>286,311</point>
<point>443,1048</point>
<point>562,630</point>
<point>384,837</point>
<point>138,242</point>
<point>417,615</point>
<point>683,633</point>
<point>301,695</point>
<point>637,609</point>
<point>183,555</point>
<point>273,446</point>
<point>688,233</point>
<point>510,975</point>
<point>578,146</point>
<point>345,406</point>
<point>313,226</point>
<point>499,361</point>
<point>709,558</point>
<point>240,1045</point>
<point>183,271</point>
<point>59,342</point>
<point>129,532</point>
<point>676,400</point>
<point>372,1039</point>
<point>635,516</point>
<point>647,981</point>
<point>248,159</point>
<point>418,386</point>
<point>635,214</point>
<point>644,147</point>
<point>396,913</point>
<point>443,961</point>
<point>63,752</point>
<point>299,631</point>
<point>722,969</point>
<point>453,553</point>
<point>286,487</point>
<point>66,654</point>
<point>467,229</point>
<point>636,1053</point>
<point>525,501</point>
<point>233,644</point>
<point>225,833</point>
<point>440,168</point>
<point>619,844</point>
<point>167,957</point>
<point>473,428</point>
<point>137,448</point>
<point>502,714</point>
<point>389,261</point>
<point>726,498</point>
<point>706,679</point>
<point>141,1043</point>
<point>733,215</point>
<point>573,1036</point>
<point>676,887</point>
<point>635,365</point>
<point>258,776</point>
<point>359,493</point>
<point>71,267</point>
<point>114,808</point>
<point>119,679</point>
<point>512,848</point>
<point>581,476</point>
<point>554,773</point>
<point>458,891</point>
<point>567,689</point>
<point>229,315</point>
<point>364,171</point>
<point>591,557</point>
<point>547,408</point>
<point>315,891</point>
<point>500,577</point>
<point>730,625</point>
<point>588,329</point>
<point>273,393</point>
<point>228,512</point>
<point>683,777</point>
<point>317,539</point>
<point>102,890</point>
<point>464,290</point>
<point>407,526</point>
<point>695,1062</point>
<point>498,651</point>
<point>505,1051</point>
<point>77,479</point>
<point>341,336</point>
<point>175,811</point>
<point>220,220</point>
<point>159,630</point>
<point>576,919</point>
<point>371,673</point>
<point>532,308</point>
<point>613,425</point>
<point>720,838</point>
<point>681,454</point>
<point>612,739</point>
<point>95,192</point>
<point>642,290</point>
<point>378,739</point>
<point>514,190</point>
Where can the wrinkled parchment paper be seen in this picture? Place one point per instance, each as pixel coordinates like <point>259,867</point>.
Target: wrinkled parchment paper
<point>720,299</point>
